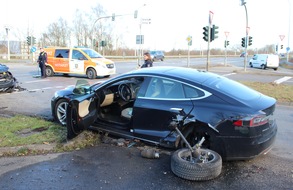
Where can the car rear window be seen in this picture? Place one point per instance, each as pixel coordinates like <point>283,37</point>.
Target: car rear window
<point>234,89</point>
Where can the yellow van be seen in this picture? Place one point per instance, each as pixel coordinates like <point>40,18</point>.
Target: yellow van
<point>78,61</point>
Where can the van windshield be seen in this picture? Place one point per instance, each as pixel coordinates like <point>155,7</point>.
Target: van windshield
<point>92,53</point>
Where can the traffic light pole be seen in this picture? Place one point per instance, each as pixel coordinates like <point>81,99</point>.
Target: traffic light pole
<point>246,38</point>
<point>208,52</point>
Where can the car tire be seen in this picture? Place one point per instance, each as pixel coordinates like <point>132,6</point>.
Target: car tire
<point>60,111</point>
<point>251,65</point>
<point>263,66</point>
<point>194,171</point>
<point>91,73</point>
<point>49,71</point>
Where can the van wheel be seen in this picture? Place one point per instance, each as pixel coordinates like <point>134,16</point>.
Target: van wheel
<point>91,73</point>
<point>263,66</point>
<point>49,72</point>
<point>250,65</point>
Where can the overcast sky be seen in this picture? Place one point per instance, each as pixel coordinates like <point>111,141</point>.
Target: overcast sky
<point>171,21</point>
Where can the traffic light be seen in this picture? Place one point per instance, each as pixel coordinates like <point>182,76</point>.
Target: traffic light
<point>28,40</point>
<point>33,40</point>
<point>103,43</point>
<point>113,17</point>
<point>276,48</point>
<point>226,43</point>
<point>214,32</point>
<point>243,43</point>
<point>249,41</point>
<point>206,33</point>
<point>135,14</point>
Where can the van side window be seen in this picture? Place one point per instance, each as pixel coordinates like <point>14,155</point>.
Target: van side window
<point>62,53</point>
<point>78,55</point>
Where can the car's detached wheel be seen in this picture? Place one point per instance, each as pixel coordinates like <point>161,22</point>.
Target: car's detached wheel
<point>186,168</point>
<point>60,111</point>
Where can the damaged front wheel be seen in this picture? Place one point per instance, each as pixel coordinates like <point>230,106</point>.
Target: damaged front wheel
<point>206,167</point>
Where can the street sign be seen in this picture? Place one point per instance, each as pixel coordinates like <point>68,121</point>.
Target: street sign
<point>33,49</point>
<point>189,40</point>
<point>145,21</point>
<point>139,39</point>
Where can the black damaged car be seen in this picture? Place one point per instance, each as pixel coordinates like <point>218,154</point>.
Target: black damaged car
<point>235,121</point>
<point>7,81</point>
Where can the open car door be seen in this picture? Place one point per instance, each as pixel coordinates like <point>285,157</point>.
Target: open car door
<point>81,113</point>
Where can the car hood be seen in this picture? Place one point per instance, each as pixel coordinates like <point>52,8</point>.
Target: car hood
<point>104,60</point>
<point>3,68</point>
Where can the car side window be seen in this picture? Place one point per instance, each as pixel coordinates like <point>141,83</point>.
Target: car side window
<point>62,53</point>
<point>164,88</point>
<point>191,92</point>
<point>78,55</point>
<point>169,89</point>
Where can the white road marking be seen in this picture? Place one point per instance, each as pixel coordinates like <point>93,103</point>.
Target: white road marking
<point>228,74</point>
<point>37,81</point>
<point>283,79</point>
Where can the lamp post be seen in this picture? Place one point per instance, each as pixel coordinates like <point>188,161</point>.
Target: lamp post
<point>243,3</point>
<point>8,48</point>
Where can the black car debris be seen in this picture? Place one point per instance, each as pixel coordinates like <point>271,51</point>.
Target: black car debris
<point>7,80</point>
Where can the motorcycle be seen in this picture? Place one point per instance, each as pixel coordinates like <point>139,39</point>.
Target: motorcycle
<point>7,81</point>
<point>193,163</point>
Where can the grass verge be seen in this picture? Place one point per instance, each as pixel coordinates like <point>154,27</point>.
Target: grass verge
<point>32,136</point>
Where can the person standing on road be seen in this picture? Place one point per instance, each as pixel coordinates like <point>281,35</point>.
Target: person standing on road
<point>147,60</point>
<point>42,60</point>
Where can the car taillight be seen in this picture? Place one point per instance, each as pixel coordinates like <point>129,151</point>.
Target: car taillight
<point>253,121</point>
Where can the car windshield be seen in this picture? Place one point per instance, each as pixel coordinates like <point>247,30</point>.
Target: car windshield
<point>92,53</point>
<point>81,87</point>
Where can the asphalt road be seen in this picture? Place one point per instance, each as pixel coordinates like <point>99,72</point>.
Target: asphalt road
<point>111,167</point>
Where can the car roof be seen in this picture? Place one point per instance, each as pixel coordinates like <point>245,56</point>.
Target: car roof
<point>189,74</point>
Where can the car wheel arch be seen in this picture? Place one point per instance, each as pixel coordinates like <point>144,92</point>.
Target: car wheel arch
<point>194,131</point>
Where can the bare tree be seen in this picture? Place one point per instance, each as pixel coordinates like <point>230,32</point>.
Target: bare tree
<point>80,28</point>
<point>58,34</point>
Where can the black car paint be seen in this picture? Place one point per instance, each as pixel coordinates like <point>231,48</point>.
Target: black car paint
<point>215,114</point>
